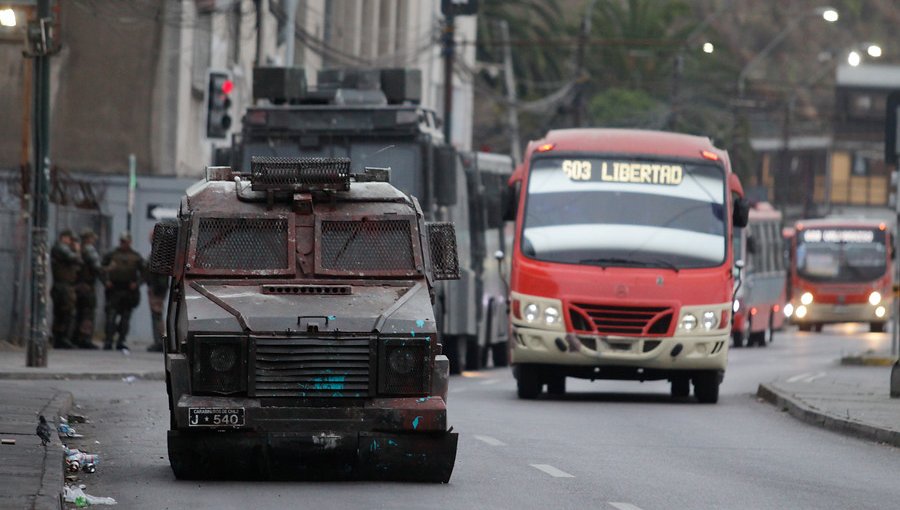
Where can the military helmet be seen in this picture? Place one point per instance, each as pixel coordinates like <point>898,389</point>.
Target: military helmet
<point>88,232</point>
<point>66,232</point>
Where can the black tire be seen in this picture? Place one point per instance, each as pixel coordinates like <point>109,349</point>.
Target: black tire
<point>473,353</point>
<point>681,387</point>
<point>757,338</point>
<point>818,327</point>
<point>770,332</point>
<point>556,385</point>
<point>804,327</point>
<point>528,382</point>
<point>737,339</point>
<point>876,327</point>
<point>706,386</point>
<point>451,350</point>
<point>500,354</point>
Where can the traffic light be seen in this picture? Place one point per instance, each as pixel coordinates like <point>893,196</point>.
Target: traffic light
<point>218,102</point>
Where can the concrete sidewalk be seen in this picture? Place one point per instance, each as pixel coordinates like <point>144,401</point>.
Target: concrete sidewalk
<point>849,397</point>
<point>83,364</point>
<point>31,475</point>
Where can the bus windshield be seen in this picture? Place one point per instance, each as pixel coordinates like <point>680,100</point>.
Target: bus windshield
<point>841,255</point>
<point>625,212</point>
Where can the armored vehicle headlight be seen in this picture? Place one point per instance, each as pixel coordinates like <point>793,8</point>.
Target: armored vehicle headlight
<point>219,364</point>
<point>532,312</point>
<point>402,360</point>
<point>874,298</point>
<point>222,358</point>
<point>404,366</point>
<point>709,320</point>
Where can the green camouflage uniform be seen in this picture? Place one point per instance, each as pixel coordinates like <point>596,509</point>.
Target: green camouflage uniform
<point>86,292</point>
<point>124,272</point>
<point>65,263</point>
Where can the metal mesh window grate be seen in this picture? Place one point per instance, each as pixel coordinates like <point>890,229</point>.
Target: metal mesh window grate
<point>242,244</point>
<point>162,254</point>
<point>384,245</point>
<point>307,173</point>
<point>442,246</point>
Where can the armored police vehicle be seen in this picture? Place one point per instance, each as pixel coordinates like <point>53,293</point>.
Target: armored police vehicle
<point>373,117</point>
<point>301,338</point>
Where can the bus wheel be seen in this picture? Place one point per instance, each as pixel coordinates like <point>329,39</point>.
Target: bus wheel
<point>706,386</point>
<point>500,354</point>
<point>681,387</point>
<point>473,353</point>
<point>528,382</point>
<point>757,338</point>
<point>804,327</point>
<point>556,385</point>
<point>737,338</point>
<point>876,327</point>
<point>818,328</point>
<point>451,350</point>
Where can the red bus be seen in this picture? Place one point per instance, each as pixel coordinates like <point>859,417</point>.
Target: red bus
<point>759,302</point>
<point>622,260</point>
<point>841,271</point>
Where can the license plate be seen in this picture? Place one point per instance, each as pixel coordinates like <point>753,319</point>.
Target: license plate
<point>215,417</point>
<point>840,309</point>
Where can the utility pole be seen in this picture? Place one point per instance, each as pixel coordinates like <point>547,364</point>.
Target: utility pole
<point>512,109</point>
<point>578,103</point>
<point>41,44</point>
<point>449,48</point>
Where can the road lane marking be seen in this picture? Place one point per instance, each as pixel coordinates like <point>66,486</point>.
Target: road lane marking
<point>490,381</point>
<point>798,377</point>
<point>490,440</point>
<point>815,376</point>
<point>552,471</point>
<point>624,506</point>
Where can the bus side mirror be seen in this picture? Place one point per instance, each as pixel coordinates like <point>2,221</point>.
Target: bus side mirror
<point>511,201</point>
<point>162,252</point>
<point>445,175</point>
<point>751,245</point>
<point>441,237</point>
<point>740,214</point>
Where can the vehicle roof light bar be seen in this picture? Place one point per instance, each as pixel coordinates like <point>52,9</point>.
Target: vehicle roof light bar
<point>712,156</point>
<point>545,147</point>
<point>299,174</point>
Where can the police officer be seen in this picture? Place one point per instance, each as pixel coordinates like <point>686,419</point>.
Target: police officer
<point>123,274</point>
<point>86,292</point>
<point>157,289</point>
<point>65,262</point>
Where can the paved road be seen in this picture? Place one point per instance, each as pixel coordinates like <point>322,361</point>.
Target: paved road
<point>605,445</point>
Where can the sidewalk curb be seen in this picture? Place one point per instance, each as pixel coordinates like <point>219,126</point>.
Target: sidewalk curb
<point>34,376</point>
<point>809,414</point>
<point>50,494</point>
<point>871,361</point>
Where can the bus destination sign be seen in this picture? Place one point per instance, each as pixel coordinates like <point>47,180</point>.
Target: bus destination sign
<point>632,172</point>
<point>838,236</point>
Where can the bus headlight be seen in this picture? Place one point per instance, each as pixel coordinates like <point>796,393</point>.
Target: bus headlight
<point>806,299</point>
<point>551,316</point>
<point>709,320</point>
<point>801,312</point>
<point>875,298</point>
<point>880,312</point>
<point>532,312</point>
<point>689,322</point>
<point>788,310</point>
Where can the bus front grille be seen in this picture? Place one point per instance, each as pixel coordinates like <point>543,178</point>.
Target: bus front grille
<point>621,320</point>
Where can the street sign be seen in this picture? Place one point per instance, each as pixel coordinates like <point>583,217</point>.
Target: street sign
<point>159,212</point>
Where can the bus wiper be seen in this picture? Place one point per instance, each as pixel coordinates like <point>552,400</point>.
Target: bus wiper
<point>663,263</point>
<point>609,261</point>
